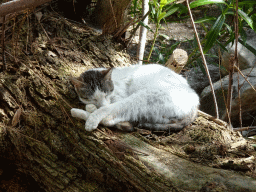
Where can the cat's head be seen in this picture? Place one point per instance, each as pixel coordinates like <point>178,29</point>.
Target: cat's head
<point>94,87</point>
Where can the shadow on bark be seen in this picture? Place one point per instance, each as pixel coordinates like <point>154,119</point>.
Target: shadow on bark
<point>44,142</point>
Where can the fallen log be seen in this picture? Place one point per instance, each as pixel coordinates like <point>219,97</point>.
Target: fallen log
<point>39,137</point>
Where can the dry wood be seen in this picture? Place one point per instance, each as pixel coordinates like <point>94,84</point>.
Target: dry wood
<point>110,15</point>
<point>18,5</point>
<point>3,43</point>
<point>244,128</point>
<point>177,60</point>
<point>143,33</point>
<point>60,155</point>
<point>16,117</point>
<point>216,120</point>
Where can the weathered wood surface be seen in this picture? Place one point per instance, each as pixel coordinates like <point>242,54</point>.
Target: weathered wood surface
<point>177,60</point>
<point>52,147</point>
<point>19,5</point>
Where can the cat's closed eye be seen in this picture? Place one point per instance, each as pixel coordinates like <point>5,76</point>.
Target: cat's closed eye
<point>89,99</point>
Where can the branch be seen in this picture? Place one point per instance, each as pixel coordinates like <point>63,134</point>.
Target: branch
<point>18,5</point>
<point>177,60</point>
<point>3,46</point>
<point>143,33</point>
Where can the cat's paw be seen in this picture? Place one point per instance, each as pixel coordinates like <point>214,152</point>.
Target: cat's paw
<point>74,112</point>
<point>91,123</point>
<point>80,113</point>
<point>90,108</point>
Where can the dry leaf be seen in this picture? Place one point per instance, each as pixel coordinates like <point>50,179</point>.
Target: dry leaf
<point>16,117</point>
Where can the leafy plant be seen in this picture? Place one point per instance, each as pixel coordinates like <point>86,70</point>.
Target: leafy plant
<point>159,11</point>
<point>221,29</point>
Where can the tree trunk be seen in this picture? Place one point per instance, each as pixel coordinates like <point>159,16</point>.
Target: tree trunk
<point>41,139</point>
<point>110,14</point>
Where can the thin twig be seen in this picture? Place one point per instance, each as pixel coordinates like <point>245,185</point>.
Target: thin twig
<point>244,77</point>
<point>204,60</point>
<point>113,12</point>
<point>223,94</point>
<point>230,88</point>
<point>3,45</point>
<point>122,30</point>
<point>232,62</point>
<point>136,28</point>
<point>236,62</point>
<point>244,128</point>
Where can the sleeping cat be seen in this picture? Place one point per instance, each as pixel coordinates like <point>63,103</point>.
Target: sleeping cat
<point>151,95</point>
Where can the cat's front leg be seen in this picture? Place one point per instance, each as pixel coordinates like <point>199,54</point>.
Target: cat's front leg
<point>92,122</point>
<point>82,114</point>
<point>96,118</point>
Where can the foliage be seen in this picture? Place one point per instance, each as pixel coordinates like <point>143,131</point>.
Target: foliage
<point>219,29</point>
<point>159,11</point>
<point>222,29</point>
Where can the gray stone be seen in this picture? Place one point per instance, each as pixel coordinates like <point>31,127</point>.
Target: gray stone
<point>198,80</point>
<point>246,58</point>
<point>248,98</point>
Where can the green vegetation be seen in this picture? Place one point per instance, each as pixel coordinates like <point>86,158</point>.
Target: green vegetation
<point>219,29</point>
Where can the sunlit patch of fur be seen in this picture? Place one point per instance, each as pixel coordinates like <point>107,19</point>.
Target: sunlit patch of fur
<point>148,94</point>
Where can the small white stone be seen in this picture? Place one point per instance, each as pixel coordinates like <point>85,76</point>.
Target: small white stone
<point>90,108</point>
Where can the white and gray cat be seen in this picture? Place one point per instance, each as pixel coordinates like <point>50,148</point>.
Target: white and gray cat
<point>150,95</point>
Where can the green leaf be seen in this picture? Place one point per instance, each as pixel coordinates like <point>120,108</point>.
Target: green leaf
<point>163,3</point>
<point>164,36</point>
<point>171,11</point>
<point>246,3</point>
<point>143,24</point>
<point>246,18</point>
<point>212,35</point>
<point>161,16</point>
<point>205,19</point>
<point>254,21</point>
<point>205,2</point>
<point>222,46</point>
<point>170,1</point>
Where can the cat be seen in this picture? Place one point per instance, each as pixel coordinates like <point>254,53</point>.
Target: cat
<point>153,96</point>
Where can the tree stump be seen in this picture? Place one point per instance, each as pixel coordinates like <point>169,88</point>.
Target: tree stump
<point>177,60</point>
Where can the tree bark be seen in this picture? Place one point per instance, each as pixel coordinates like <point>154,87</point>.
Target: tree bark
<point>110,14</point>
<point>19,5</point>
<point>40,138</point>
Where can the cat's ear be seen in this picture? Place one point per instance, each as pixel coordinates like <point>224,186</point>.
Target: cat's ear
<point>76,82</point>
<point>107,73</point>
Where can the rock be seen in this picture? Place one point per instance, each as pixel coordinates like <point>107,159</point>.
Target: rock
<point>90,108</point>
<point>248,98</point>
<point>198,80</point>
<point>248,106</point>
<point>246,58</point>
